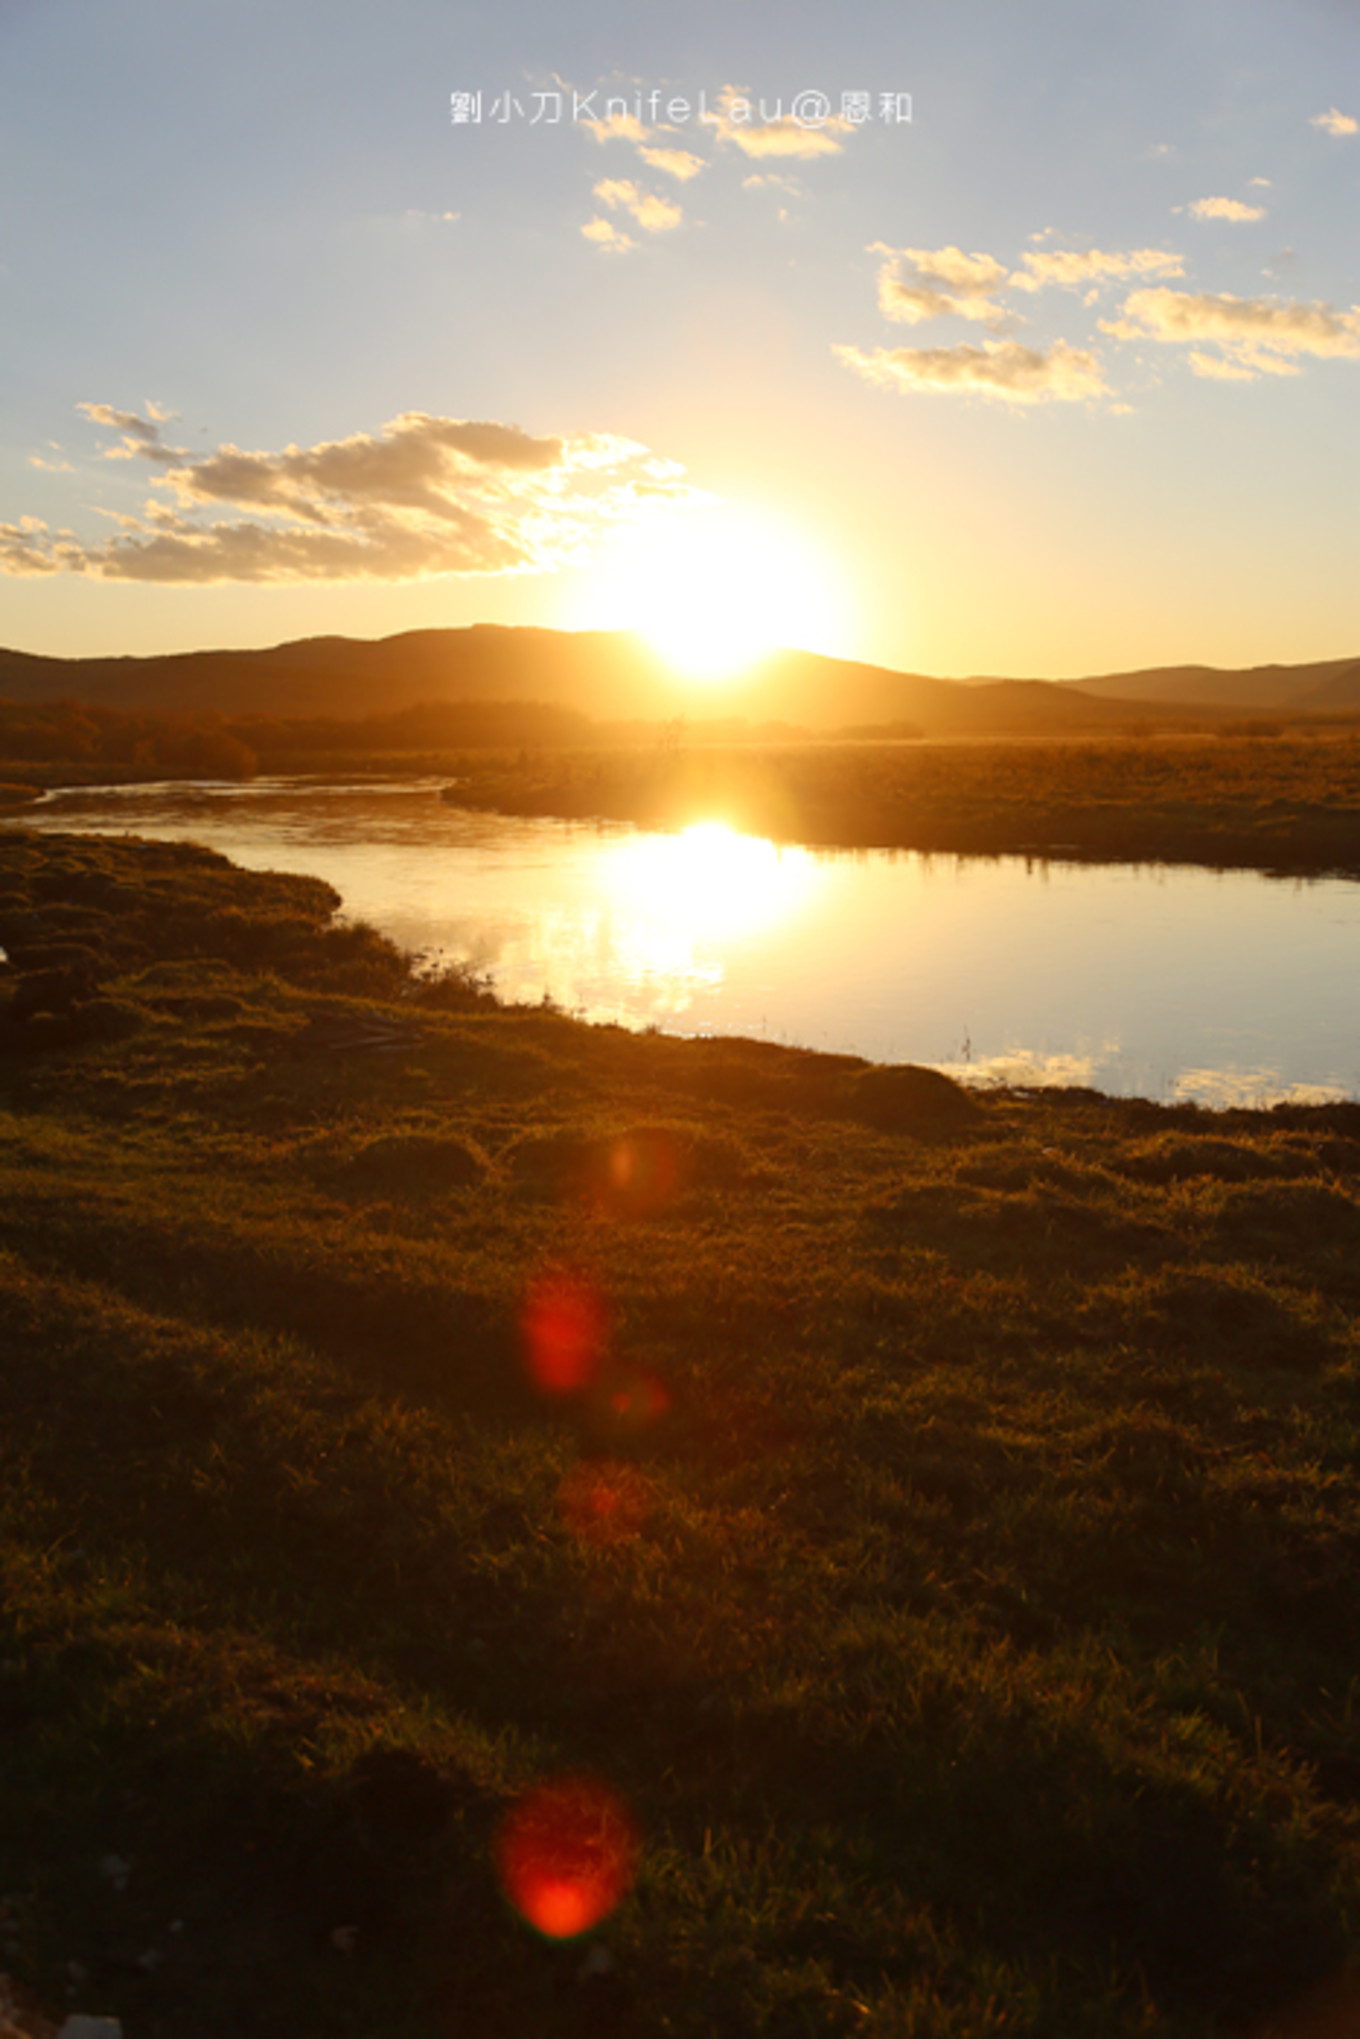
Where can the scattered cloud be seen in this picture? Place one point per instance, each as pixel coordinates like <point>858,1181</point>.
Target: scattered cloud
<point>620,127</point>
<point>654,214</point>
<point>415,212</point>
<point>1263,182</point>
<point>998,368</point>
<point>427,495</point>
<point>1162,149</point>
<point>1255,334</point>
<point>1226,208</point>
<point>759,128</point>
<point>910,280</point>
<point>675,162</point>
<point>772,180</point>
<point>50,466</point>
<point>141,437</point>
<point>1334,122</point>
<point>606,235</point>
<point>1075,267</point>
<point>1220,367</point>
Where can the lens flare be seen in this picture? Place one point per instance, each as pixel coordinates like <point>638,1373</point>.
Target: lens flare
<point>639,1173</point>
<point>567,1855</point>
<point>604,1503</point>
<point>564,1326</point>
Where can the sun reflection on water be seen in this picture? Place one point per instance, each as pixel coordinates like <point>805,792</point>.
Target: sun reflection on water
<point>675,895</point>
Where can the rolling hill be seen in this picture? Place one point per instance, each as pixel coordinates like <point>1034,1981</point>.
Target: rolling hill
<point>613,677</point>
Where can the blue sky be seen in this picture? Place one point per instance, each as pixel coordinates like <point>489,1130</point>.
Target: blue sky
<point>1060,376</point>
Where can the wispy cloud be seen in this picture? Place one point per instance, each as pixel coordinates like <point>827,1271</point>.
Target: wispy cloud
<point>678,163</point>
<point>427,495</point>
<point>1225,208</point>
<point>608,237</point>
<point>998,368</point>
<point>1334,122</point>
<point>620,127</point>
<point>915,284</point>
<point>1255,334</point>
<point>760,127</point>
<point>1078,268</point>
<point>654,214</point>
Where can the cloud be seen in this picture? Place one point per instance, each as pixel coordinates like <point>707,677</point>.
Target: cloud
<point>655,215</point>
<point>50,466</point>
<point>141,437</point>
<point>606,235</point>
<point>1334,122</point>
<point>427,495</point>
<point>1222,368</point>
<point>1256,334</point>
<point>620,127</point>
<point>1263,182</point>
<point>1074,267</point>
<point>998,368</point>
<point>1226,208</point>
<point>675,162</point>
<point>909,285</point>
<point>758,129</point>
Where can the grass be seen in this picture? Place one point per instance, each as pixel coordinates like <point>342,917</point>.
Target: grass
<point>951,1566</point>
<point>1291,804</point>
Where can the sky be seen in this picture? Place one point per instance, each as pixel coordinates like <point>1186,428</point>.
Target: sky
<point>971,337</point>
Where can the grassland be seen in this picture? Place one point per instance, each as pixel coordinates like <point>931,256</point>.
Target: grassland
<point>1281,802</point>
<point>953,1564</point>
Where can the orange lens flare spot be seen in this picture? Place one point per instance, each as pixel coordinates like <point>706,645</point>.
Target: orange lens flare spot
<point>603,1503</point>
<point>563,1322</point>
<point>640,1172</point>
<point>567,1855</point>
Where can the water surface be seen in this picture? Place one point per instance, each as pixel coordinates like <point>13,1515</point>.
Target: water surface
<point>1162,982</point>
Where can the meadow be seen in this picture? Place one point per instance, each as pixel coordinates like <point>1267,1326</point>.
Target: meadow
<point>1258,795</point>
<point>937,1521</point>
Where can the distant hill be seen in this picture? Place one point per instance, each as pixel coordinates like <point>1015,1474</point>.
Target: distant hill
<point>614,677</point>
<point>1333,685</point>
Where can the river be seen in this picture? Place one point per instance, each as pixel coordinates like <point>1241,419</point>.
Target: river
<point>1168,982</point>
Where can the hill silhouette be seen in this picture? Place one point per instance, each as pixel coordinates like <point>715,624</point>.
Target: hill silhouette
<point>612,676</point>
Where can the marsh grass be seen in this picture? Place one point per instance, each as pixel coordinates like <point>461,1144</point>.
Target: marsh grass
<point>978,1651</point>
<point>1288,805</point>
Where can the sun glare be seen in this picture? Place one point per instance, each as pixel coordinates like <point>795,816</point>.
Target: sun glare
<point>708,882</point>
<point>713,587</point>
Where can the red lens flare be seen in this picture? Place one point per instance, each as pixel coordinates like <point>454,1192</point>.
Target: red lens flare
<point>604,1503</point>
<point>564,1326</point>
<point>567,1855</point>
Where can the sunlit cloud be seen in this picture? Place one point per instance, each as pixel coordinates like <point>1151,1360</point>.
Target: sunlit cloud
<point>612,239</point>
<point>654,214</point>
<point>1075,267</point>
<point>1222,368</point>
<point>1257,334</point>
<point>1226,208</point>
<point>50,466</point>
<point>998,368</point>
<point>1334,122</point>
<point>141,437</point>
<point>677,163</point>
<point>619,127</point>
<point>760,128</point>
<point>910,280</point>
<point>427,495</point>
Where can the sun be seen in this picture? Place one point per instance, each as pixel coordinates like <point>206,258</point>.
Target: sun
<point>714,586</point>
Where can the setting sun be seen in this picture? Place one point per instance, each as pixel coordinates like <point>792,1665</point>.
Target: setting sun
<point>714,586</point>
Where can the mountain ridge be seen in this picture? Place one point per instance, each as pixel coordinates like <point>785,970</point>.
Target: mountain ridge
<point>613,676</point>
